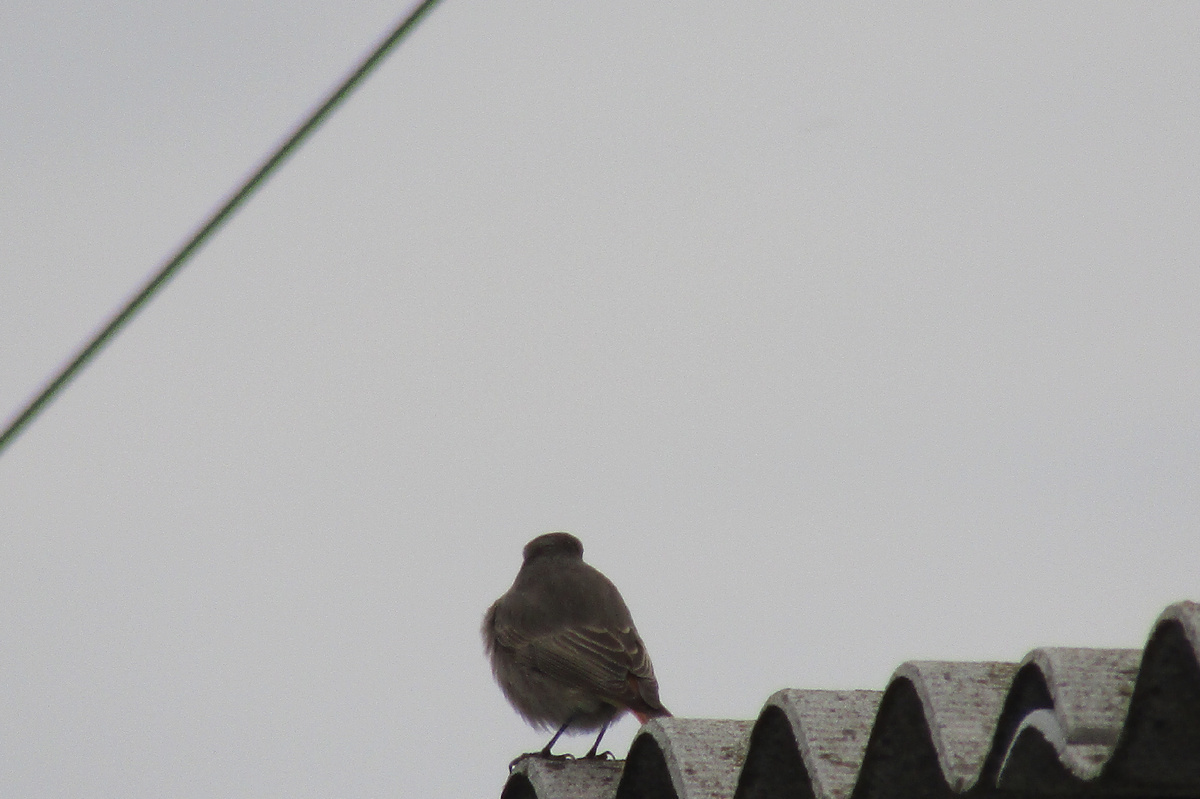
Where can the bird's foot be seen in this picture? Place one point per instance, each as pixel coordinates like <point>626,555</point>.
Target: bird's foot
<point>544,754</point>
<point>602,756</point>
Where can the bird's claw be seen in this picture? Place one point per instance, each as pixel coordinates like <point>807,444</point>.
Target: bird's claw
<point>544,755</point>
<point>602,756</point>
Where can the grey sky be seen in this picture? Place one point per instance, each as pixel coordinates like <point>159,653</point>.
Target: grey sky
<point>840,335</point>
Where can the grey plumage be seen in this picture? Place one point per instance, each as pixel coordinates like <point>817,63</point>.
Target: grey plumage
<point>563,646</point>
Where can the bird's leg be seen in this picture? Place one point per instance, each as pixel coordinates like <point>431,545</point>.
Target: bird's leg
<point>546,750</point>
<point>591,755</point>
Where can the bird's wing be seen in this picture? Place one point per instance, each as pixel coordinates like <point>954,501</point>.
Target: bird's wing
<point>588,657</point>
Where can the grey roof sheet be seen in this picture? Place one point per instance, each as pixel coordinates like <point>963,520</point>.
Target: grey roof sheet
<point>1089,692</point>
<point>811,737</point>
<point>686,759</point>
<point>1095,722</point>
<point>583,779</point>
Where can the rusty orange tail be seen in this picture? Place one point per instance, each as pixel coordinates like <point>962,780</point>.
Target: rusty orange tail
<point>643,716</point>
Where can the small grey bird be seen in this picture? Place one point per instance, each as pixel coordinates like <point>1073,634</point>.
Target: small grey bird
<point>563,646</point>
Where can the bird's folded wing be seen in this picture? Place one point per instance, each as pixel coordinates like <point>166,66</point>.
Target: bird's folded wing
<point>592,658</point>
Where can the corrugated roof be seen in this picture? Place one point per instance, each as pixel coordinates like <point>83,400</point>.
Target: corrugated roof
<point>1095,722</point>
<point>582,779</point>
<point>685,758</point>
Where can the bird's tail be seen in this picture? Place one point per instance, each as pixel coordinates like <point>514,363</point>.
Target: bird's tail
<point>645,715</point>
<point>645,705</point>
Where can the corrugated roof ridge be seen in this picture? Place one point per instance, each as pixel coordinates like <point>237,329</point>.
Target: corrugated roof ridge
<point>831,729</point>
<point>1064,719</point>
<point>1159,742</point>
<point>1091,689</point>
<point>1089,692</point>
<point>962,703</point>
<point>700,758</point>
<point>545,778</point>
<point>1186,613</point>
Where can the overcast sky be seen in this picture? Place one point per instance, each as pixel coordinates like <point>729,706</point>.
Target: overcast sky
<point>840,335</point>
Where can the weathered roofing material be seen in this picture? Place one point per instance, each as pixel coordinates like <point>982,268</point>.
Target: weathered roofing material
<point>1083,722</point>
<point>582,779</point>
<point>1076,700</point>
<point>685,759</point>
<point>1157,742</point>
<point>808,743</point>
<point>933,729</point>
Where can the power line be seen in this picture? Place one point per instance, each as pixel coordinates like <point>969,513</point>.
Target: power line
<point>222,214</point>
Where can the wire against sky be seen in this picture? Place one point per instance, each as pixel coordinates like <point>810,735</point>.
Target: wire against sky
<point>302,131</point>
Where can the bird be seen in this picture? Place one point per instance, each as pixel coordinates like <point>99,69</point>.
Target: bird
<point>563,647</point>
